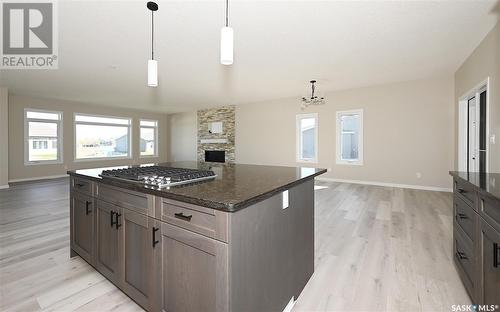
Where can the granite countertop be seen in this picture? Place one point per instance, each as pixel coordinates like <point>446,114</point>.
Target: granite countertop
<point>235,187</point>
<point>485,182</point>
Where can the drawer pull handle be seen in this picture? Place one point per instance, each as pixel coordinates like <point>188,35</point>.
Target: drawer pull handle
<point>87,207</point>
<point>79,184</point>
<point>155,229</point>
<point>462,216</point>
<point>495,255</point>
<point>461,255</point>
<point>117,223</point>
<point>461,191</point>
<point>112,214</point>
<point>181,216</point>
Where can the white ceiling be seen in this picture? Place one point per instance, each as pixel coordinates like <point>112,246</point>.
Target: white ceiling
<point>279,47</point>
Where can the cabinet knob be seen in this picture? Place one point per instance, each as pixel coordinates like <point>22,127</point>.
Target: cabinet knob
<point>117,222</point>
<point>155,229</point>
<point>112,214</point>
<point>461,255</point>
<point>182,216</point>
<point>87,207</point>
<point>495,255</point>
<point>462,216</point>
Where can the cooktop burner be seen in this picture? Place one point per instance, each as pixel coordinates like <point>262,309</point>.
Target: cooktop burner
<point>159,176</point>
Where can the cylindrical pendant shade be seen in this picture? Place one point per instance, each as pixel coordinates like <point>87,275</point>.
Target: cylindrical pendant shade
<point>152,73</point>
<point>226,46</point>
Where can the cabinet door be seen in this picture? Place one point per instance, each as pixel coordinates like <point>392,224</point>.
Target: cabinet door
<point>194,271</point>
<point>490,263</point>
<point>140,242</point>
<point>82,226</point>
<point>108,233</point>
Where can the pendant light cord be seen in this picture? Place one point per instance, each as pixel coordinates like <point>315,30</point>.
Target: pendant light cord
<point>152,35</point>
<point>227,13</point>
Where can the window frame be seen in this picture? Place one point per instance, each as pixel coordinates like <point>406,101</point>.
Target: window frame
<point>157,122</point>
<point>129,134</point>
<point>338,152</point>
<point>298,138</point>
<point>60,140</point>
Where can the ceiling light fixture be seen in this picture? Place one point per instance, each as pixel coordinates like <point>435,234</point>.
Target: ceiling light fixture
<point>152,63</point>
<point>226,41</point>
<point>314,99</point>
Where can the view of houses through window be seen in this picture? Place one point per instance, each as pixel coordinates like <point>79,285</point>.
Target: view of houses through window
<point>350,137</point>
<point>307,137</point>
<point>43,132</point>
<point>101,137</point>
<point>148,142</point>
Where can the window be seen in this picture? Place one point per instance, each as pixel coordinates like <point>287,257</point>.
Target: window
<point>350,137</point>
<point>307,137</point>
<point>149,140</point>
<point>101,137</point>
<point>42,136</point>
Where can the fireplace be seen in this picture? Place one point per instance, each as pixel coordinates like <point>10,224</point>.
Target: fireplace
<point>215,156</point>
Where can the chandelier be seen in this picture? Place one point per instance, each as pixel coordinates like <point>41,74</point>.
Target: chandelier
<point>313,99</point>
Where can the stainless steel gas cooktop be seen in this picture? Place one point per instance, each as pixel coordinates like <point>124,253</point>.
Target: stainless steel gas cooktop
<point>159,176</point>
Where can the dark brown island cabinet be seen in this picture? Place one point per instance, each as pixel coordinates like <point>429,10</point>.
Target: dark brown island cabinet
<point>476,234</point>
<point>243,241</point>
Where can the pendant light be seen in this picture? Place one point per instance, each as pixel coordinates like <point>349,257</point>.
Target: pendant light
<point>313,99</point>
<point>226,41</point>
<point>152,63</point>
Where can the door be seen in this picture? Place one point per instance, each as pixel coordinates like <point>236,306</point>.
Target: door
<point>109,230</point>
<point>490,262</point>
<point>190,263</point>
<point>483,135</point>
<point>140,243</point>
<point>82,225</point>
<point>472,136</point>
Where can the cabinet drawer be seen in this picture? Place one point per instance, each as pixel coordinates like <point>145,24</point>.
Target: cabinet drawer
<point>489,209</point>
<point>465,217</point>
<point>464,259</point>
<point>465,191</point>
<point>198,219</point>
<point>135,201</point>
<point>82,185</point>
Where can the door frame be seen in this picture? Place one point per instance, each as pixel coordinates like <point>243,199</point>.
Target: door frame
<point>463,123</point>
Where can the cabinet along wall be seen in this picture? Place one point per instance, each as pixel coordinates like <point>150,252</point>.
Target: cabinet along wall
<point>18,171</point>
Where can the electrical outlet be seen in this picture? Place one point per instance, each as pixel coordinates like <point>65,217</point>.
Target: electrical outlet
<point>492,139</point>
<point>285,199</point>
<point>419,175</point>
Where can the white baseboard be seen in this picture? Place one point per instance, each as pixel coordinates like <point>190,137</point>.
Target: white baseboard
<point>406,186</point>
<point>39,178</point>
<point>290,305</point>
<point>2,187</point>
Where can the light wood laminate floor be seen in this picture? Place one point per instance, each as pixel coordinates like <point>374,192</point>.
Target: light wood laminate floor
<point>377,249</point>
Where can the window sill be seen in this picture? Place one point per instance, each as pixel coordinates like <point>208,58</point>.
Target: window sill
<point>307,161</point>
<point>349,163</point>
<point>101,159</point>
<point>43,162</point>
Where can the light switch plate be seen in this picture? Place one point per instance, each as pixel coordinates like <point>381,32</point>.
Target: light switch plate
<point>285,199</point>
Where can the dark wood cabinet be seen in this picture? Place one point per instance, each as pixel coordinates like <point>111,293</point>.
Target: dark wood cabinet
<point>489,265</point>
<point>139,245</point>
<point>82,225</point>
<point>109,231</point>
<point>476,242</point>
<point>192,269</point>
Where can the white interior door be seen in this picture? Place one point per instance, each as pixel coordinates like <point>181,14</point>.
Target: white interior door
<point>473,135</point>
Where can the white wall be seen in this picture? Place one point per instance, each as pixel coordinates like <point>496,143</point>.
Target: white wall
<point>182,136</point>
<point>4,137</point>
<point>408,129</point>
<point>484,62</point>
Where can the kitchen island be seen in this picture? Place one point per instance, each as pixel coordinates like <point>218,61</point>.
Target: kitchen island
<point>241,241</point>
